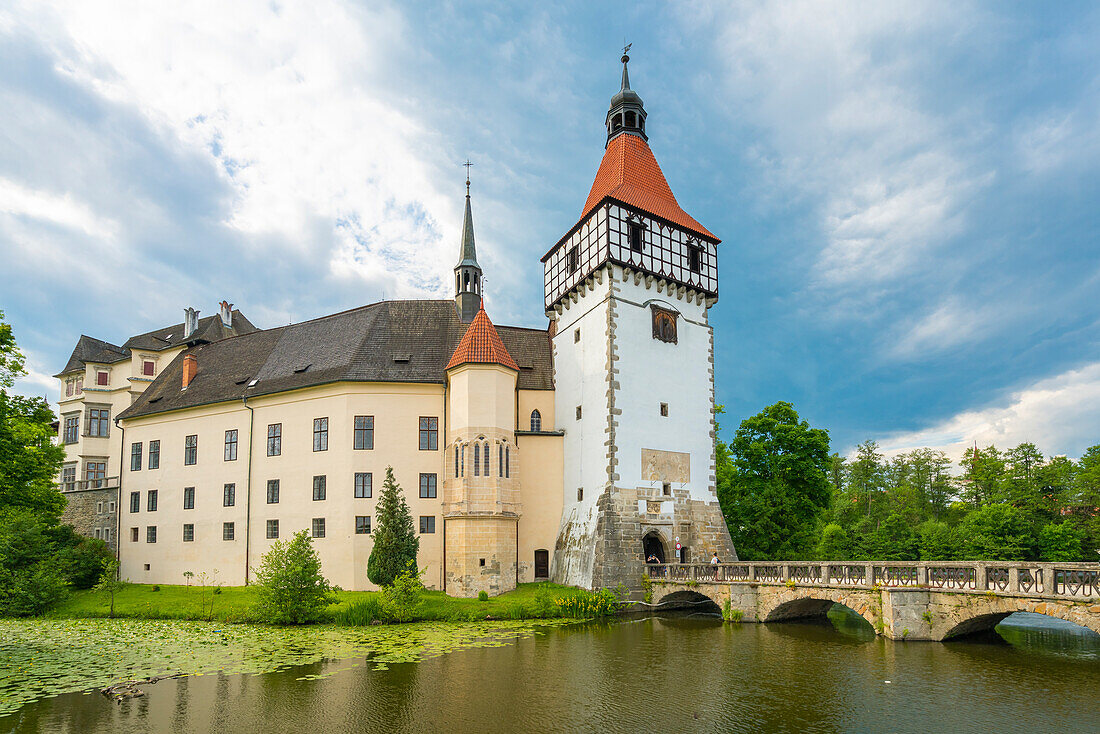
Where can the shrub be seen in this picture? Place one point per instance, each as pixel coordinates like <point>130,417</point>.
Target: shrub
<point>156,587</point>
<point>291,587</point>
<point>401,599</point>
<point>545,606</point>
<point>30,579</point>
<point>81,560</point>
<point>483,595</point>
<point>590,604</point>
<point>361,613</point>
<point>1061,542</point>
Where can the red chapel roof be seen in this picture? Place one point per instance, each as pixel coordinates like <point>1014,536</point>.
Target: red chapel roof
<point>481,344</point>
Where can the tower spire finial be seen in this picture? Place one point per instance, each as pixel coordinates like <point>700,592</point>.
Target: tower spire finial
<point>626,114</point>
<point>625,59</point>
<point>467,164</point>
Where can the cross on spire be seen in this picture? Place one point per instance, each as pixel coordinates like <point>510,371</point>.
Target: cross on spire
<point>467,164</point>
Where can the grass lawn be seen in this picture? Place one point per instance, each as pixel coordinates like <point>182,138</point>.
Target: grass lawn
<point>234,603</point>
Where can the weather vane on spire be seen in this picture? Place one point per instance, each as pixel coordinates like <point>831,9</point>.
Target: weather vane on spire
<point>467,164</point>
<point>626,48</point>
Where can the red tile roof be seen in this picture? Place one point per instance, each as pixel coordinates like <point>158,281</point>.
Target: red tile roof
<point>481,344</point>
<point>630,174</point>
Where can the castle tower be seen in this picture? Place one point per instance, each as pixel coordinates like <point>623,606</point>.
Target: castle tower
<point>481,490</point>
<point>468,275</point>
<point>628,288</point>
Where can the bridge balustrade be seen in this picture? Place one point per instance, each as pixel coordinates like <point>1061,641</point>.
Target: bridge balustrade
<point>1080,580</point>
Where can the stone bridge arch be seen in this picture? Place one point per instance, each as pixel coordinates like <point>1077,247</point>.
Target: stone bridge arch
<point>678,597</point>
<point>784,604</point>
<point>982,613</point>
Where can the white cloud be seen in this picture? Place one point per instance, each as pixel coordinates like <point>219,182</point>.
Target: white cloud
<point>60,209</point>
<point>293,105</point>
<point>1059,414</point>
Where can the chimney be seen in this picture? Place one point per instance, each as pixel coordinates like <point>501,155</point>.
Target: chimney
<point>225,310</point>
<point>190,369</point>
<point>190,322</point>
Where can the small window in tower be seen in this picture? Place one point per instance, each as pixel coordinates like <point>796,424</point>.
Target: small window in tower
<point>693,258</point>
<point>664,409</point>
<point>630,119</point>
<point>580,494</point>
<point>666,489</point>
<point>576,335</point>
<point>578,412</point>
<point>572,259</point>
<point>481,561</point>
<point>634,230</point>
<point>616,123</point>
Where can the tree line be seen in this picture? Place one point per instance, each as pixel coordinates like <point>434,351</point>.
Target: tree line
<point>786,496</point>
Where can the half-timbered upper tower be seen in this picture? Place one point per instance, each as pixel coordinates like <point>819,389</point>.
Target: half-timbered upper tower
<point>628,288</point>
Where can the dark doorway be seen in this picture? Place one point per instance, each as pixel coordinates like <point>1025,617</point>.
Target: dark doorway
<point>683,554</point>
<point>653,548</point>
<point>542,564</point>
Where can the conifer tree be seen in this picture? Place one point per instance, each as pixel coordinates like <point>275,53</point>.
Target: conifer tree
<point>395,541</point>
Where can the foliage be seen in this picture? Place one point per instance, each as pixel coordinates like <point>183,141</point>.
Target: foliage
<point>774,486</point>
<point>996,532</point>
<point>834,544</point>
<point>109,583</point>
<point>361,613</point>
<point>81,560</point>
<point>401,599</point>
<point>1059,542</point>
<point>647,588</point>
<point>291,589</point>
<point>395,541</point>
<point>590,604</point>
<point>483,595</point>
<point>30,578</point>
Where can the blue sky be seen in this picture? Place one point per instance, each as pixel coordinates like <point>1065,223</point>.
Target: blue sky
<point>908,193</point>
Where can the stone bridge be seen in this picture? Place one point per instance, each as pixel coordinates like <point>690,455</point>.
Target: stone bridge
<point>928,600</point>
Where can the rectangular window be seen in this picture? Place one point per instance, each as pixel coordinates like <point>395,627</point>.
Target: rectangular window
<point>429,434</point>
<point>68,478</point>
<point>272,491</point>
<point>154,454</point>
<point>507,462</point>
<point>98,422</point>
<point>362,484</point>
<point>229,495</point>
<point>79,385</point>
<point>135,456</point>
<point>635,233</point>
<point>72,429</point>
<point>188,532</point>
<point>500,460</point>
<point>319,487</point>
<point>101,378</point>
<point>110,507</point>
<point>188,498</point>
<point>572,259</point>
<point>107,534</point>
<point>231,445</point>
<point>228,530</point>
<point>275,439</point>
<point>190,450</point>
<point>151,534</point>
<point>97,533</point>
<point>318,527</point>
<point>427,486</point>
<point>134,535</point>
<point>578,412</point>
<point>364,432</point>
<point>99,507</point>
<point>664,409</point>
<point>68,388</point>
<point>693,259</point>
<point>135,502</point>
<point>94,473</point>
<point>320,434</point>
<point>151,501</point>
<point>427,524</point>
<point>362,524</point>
<point>580,494</point>
<point>272,529</point>
<point>147,368</point>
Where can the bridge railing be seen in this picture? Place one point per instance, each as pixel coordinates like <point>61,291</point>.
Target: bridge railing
<point>1078,580</point>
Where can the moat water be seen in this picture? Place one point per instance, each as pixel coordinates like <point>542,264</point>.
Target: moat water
<point>674,674</point>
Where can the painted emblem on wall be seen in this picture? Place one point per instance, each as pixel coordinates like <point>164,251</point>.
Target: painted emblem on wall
<point>666,466</point>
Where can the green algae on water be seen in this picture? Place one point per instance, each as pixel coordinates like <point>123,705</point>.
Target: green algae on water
<point>40,658</point>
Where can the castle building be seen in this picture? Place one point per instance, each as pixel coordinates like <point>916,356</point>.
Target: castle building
<point>570,453</point>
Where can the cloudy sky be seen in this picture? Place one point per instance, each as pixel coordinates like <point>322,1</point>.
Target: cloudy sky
<point>908,193</point>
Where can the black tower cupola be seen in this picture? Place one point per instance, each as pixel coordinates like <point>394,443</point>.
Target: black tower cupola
<point>626,115</point>
<point>468,276</point>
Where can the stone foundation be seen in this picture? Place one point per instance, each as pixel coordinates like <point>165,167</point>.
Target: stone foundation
<point>481,555</point>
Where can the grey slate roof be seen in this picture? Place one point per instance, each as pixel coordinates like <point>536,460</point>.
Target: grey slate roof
<point>89,349</point>
<point>390,341</point>
<point>210,329</point>
<point>467,251</point>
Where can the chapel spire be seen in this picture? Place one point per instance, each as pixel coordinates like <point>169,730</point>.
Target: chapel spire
<point>626,114</point>
<point>468,275</point>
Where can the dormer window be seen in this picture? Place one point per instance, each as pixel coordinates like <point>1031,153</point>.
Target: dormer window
<point>101,378</point>
<point>148,367</point>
